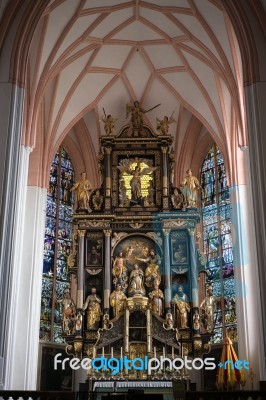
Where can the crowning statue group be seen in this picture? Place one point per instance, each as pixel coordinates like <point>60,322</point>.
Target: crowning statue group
<point>136,282</point>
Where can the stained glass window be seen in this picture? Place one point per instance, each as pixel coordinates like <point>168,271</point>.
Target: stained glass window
<point>217,242</point>
<point>57,245</point>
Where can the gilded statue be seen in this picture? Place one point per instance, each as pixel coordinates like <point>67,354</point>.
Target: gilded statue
<point>136,281</point>
<point>189,187</point>
<point>93,304</point>
<point>162,125</point>
<point>177,199</point>
<point>156,299</point>
<point>83,188</point>
<point>182,305</point>
<point>207,309</point>
<point>106,322</point>
<point>109,123</point>
<point>69,313</point>
<point>97,200</point>
<point>118,300</point>
<point>152,271</point>
<point>119,271</point>
<point>136,112</point>
<point>78,324</point>
<point>169,323</point>
<point>137,173</point>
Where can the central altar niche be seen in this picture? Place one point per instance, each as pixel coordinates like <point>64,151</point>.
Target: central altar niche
<point>136,264</point>
<point>136,260</point>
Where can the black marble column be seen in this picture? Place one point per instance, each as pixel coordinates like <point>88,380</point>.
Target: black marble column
<point>107,269</point>
<point>167,271</point>
<point>108,173</point>
<point>81,263</point>
<point>165,179</point>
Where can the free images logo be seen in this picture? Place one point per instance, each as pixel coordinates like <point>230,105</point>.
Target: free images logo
<point>116,365</point>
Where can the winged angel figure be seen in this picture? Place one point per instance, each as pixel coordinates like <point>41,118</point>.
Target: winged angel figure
<point>137,173</point>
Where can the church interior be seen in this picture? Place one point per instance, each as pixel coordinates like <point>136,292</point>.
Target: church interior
<point>132,192</point>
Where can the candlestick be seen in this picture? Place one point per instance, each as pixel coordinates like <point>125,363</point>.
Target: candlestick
<point>103,352</point>
<point>164,352</point>
<point>121,352</point>
<point>154,352</point>
<point>173,353</point>
<point>93,352</point>
<point>112,352</point>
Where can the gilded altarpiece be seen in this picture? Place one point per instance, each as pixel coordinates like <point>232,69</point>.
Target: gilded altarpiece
<point>136,257</point>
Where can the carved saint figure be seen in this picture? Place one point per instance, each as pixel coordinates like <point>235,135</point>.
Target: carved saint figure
<point>181,302</point>
<point>97,200</point>
<point>137,173</point>
<point>78,324</point>
<point>94,313</point>
<point>109,124</point>
<point>118,300</point>
<point>136,112</point>
<point>136,284</point>
<point>169,324</point>
<point>69,313</point>
<point>106,322</point>
<point>156,299</point>
<point>177,199</point>
<point>207,307</point>
<point>119,271</point>
<point>135,183</point>
<point>152,271</point>
<point>83,188</point>
<point>189,187</point>
<point>163,124</point>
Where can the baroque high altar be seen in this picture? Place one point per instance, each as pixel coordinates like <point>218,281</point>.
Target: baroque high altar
<point>136,259</point>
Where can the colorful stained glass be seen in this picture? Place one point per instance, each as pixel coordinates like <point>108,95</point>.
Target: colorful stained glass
<point>57,245</point>
<point>217,242</point>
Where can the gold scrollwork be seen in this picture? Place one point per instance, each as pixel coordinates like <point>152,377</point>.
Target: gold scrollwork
<point>81,232</point>
<point>91,335</point>
<point>78,348</point>
<point>107,232</point>
<point>197,344</point>
<point>174,224</point>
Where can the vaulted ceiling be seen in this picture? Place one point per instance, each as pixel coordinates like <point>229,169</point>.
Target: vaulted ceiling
<point>90,55</point>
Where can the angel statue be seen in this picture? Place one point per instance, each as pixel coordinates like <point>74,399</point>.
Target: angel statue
<point>109,123</point>
<point>135,182</point>
<point>137,112</point>
<point>163,124</point>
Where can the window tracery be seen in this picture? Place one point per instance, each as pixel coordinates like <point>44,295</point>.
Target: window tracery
<point>57,245</point>
<point>217,242</point>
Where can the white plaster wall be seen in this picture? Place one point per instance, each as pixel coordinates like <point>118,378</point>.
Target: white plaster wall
<point>24,337</point>
<point>255,96</point>
<point>250,340</point>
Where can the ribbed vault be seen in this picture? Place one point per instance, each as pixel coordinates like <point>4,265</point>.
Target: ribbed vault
<point>88,55</point>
